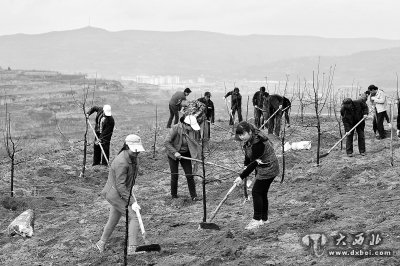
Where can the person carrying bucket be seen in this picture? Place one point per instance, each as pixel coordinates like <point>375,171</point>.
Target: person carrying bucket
<point>117,191</point>
<point>259,156</point>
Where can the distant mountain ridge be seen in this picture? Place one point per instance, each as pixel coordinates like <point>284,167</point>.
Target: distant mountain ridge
<point>184,53</point>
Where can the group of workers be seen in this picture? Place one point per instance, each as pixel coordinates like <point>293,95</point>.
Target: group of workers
<point>183,146</point>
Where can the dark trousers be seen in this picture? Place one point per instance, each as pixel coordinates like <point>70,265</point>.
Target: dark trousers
<point>98,157</point>
<point>258,117</point>
<point>260,198</point>
<point>361,139</point>
<point>380,117</point>
<point>239,111</point>
<point>187,168</point>
<point>274,124</point>
<point>173,113</point>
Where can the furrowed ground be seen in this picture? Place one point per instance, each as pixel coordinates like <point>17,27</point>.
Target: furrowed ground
<point>341,195</point>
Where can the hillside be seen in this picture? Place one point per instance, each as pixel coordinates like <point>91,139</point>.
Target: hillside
<point>342,195</point>
<point>186,53</point>
<point>367,67</point>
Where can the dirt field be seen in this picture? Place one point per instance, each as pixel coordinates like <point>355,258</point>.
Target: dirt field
<point>341,196</point>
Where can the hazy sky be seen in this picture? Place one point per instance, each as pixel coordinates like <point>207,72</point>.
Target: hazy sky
<point>326,18</point>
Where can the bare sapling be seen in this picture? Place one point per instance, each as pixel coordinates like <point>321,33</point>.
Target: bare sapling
<point>11,145</point>
<point>82,106</point>
<point>155,136</point>
<point>321,93</point>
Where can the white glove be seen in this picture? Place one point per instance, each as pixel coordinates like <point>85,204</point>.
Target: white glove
<point>177,155</point>
<point>135,206</point>
<point>280,106</point>
<point>238,181</point>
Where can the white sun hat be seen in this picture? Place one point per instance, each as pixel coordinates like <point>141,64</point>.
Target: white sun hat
<point>107,110</point>
<point>192,121</point>
<point>134,143</point>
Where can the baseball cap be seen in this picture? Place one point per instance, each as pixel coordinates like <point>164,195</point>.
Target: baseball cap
<point>192,121</point>
<point>134,143</point>
<point>107,110</point>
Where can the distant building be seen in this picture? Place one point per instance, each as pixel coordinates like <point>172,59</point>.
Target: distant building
<point>155,80</point>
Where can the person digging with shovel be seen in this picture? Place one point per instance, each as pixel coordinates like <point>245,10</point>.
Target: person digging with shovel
<point>103,129</point>
<point>118,190</point>
<point>183,140</point>
<point>352,112</point>
<point>259,156</point>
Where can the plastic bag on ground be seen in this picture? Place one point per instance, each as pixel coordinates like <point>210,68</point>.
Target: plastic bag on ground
<point>301,145</point>
<point>23,224</point>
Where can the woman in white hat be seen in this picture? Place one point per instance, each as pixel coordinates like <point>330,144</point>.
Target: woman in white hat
<point>117,191</point>
<point>182,140</point>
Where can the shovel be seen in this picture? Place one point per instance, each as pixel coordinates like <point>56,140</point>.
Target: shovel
<point>147,247</point>
<point>345,135</point>
<point>222,201</point>
<point>101,147</point>
<point>204,224</point>
<point>220,166</point>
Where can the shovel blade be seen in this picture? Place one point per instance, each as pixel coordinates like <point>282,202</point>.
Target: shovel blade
<point>149,248</point>
<point>212,226</point>
<point>324,155</point>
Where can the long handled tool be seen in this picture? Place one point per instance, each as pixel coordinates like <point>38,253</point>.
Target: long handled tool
<point>222,201</point>
<point>147,247</point>
<point>101,147</point>
<point>280,107</point>
<point>200,161</point>
<point>345,135</point>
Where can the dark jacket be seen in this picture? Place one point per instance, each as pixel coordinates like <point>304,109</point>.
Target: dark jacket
<point>236,99</point>
<point>104,124</point>
<point>210,111</point>
<point>258,98</point>
<point>121,177</point>
<point>352,112</point>
<point>271,104</point>
<point>259,147</point>
<point>173,142</point>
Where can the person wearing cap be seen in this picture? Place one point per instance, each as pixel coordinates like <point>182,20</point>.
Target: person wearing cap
<point>197,109</point>
<point>210,113</point>
<point>104,129</point>
<point>258,100</point>
<point>236,105</point>
<point>175,105</point>
<point>259,156</point>
<point>183,140</point>
<point>119,193</point>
